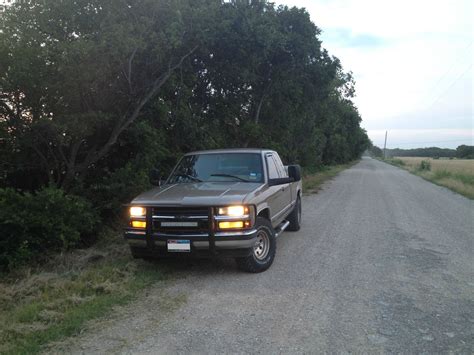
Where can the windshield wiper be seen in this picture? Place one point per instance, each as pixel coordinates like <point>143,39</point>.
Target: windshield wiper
<point>231,176</point>
<point>189,177</point>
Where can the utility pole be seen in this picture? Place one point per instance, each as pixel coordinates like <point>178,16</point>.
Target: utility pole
<point>385,146</point>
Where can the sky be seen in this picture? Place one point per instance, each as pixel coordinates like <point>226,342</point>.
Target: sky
<point>412,62</point>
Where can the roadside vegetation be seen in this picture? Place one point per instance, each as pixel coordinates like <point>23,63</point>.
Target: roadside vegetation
<point>455,174</point>
<point>314,177</point>
<point>48,303</point>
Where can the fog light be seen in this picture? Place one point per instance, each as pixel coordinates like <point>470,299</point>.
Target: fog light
<point>138,224</point>
<point>231,225</point>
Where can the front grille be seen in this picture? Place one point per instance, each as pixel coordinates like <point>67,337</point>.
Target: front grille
<point>180,220</point>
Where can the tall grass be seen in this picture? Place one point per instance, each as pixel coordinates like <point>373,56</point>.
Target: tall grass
<point>455,174</point>
<point>46,305</point>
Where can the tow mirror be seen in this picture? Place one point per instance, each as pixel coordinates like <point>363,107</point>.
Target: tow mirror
<point>294,171</point>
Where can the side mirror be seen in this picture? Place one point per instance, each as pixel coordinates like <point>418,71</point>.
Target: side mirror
<point>294,171</point>
<point>155,177</point>
<point>279,181</point>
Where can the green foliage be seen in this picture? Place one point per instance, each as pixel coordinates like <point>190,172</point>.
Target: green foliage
<point>430,152</point>
<point>425,165</point>
<point>48,220</point>
<point>465,152</point>
<point>375,151</point>
<point>397,162</point>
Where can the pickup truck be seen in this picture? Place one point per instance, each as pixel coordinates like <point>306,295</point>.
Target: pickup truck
<point>229,202</point>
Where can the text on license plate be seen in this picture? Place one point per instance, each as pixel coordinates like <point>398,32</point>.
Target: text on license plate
<point>179,224</point>
<point>179,245</point>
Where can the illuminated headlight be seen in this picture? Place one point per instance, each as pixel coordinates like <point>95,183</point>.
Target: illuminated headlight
<point>235,217</point>
<point>137,211</point>
<point>233,211</point>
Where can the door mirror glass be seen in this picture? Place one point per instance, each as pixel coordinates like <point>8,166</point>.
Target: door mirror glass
<point>294,171</point>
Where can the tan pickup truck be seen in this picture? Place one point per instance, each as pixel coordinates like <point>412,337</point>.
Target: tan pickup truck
<point>231,202</point>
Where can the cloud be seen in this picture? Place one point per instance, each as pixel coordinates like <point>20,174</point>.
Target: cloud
<point>412,60</point>
<point>344,37</point>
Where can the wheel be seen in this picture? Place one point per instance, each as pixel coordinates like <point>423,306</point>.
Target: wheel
<point>263,251</point>
<point>295,217</point>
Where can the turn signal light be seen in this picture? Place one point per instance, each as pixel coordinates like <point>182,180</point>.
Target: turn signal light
<point>231,225</point>
<point>138,224</point>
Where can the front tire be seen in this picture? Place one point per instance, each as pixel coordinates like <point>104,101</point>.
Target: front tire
<point>264,250</point>
<point>295,217</point>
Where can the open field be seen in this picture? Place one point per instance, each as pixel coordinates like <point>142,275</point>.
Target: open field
<point>455,174</point>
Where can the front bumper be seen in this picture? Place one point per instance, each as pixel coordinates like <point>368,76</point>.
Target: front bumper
<point>233,244</point>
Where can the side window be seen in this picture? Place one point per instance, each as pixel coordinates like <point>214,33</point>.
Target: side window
<point>280,166</point>
<point>272,169</point>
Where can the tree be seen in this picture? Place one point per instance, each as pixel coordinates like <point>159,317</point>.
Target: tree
<point>465,152</point>
<point>78,74</point>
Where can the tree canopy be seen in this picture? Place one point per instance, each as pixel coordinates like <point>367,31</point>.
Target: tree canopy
<point>90,86</point>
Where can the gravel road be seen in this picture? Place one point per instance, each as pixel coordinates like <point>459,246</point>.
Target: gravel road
<point>383,263</point>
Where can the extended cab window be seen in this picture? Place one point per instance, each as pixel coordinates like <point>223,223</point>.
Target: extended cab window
<point>272,168</point>
<point>245,167</point>
<point>280,166</point>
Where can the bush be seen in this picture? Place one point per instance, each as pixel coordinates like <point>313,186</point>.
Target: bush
<point>425,165</point>
<point>33,224</point>
<point>398,162</point>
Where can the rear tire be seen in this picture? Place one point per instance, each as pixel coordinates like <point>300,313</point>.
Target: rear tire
<point>263,252</point>
<point>295,217</point>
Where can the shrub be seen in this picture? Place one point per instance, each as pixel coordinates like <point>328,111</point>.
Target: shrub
<point>33,224</point>
<point>398,162</point>
<point>425,165</point>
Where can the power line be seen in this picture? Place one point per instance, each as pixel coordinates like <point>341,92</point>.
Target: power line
<point>450,86</point>
<point>455,62</point>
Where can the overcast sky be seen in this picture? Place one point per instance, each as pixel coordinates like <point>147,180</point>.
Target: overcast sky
<point>412,62</point>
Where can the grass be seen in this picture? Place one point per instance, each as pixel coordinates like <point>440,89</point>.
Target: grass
<point>48,304</point>
<point>314,177</point>
<point>455,174</point>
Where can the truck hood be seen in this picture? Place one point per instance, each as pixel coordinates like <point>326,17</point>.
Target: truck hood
<point>198,194</point>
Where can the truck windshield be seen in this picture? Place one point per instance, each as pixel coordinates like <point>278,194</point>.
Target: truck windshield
<point>218,167</point>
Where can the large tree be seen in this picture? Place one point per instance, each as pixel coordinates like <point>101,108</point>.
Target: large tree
<point>76,74</point>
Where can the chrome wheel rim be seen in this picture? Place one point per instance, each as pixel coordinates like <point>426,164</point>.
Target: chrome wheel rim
<point>262,246</point>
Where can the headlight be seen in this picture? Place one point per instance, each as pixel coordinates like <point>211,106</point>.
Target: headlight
<point>137,211</point>
<point>233,211</point>
<point>235,217</point>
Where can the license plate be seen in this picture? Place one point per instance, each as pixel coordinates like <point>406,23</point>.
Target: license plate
<point>179,245</point>
<point>179,224</point>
